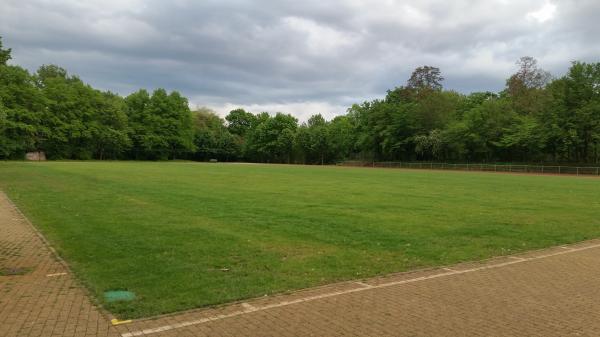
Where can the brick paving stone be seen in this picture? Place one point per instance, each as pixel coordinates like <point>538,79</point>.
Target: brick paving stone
<point>550,292</point>
<point>34,304</point>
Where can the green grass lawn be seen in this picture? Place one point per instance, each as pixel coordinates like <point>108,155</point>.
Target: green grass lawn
<point>184,235</point>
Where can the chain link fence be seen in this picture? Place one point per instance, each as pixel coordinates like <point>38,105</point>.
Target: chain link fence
<point>539,169</point>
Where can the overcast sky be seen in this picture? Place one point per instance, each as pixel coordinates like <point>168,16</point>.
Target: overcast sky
<point>299,57</point>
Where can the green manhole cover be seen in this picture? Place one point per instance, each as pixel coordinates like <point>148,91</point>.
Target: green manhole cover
<point>118,295</point>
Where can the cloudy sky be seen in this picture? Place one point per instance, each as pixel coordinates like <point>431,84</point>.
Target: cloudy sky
<point>299,57</point>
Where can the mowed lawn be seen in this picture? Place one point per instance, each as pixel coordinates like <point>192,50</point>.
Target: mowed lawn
<point>182,235</point>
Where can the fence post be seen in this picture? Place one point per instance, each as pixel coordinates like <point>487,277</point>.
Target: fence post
<point>597,171</point>
<point>510,168</point>
<point>559,170</point>
<point>542,168</point>
<point>578,171</point>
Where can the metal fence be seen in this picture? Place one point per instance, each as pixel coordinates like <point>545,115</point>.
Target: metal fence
<point>540,169</point>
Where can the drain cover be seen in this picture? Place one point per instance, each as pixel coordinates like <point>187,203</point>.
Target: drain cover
<point>118,295</point>
<point>14,271</point>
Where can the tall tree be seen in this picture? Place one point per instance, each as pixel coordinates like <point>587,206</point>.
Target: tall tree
<point>161,124</point>
<point>342,134</point>
<point>212,139</point>
<point>272,139</point>
<point>4,54</point>
<point>535,118</point>
<point>239,122</point>
<point>69,111</point>
<point>525,87</point>
<point>582,105</point>
<point>140,129</point>
<point>22,111</point>
<point>109,126</point>
<point>529,75</point>
<point>426,77</point>
<point>314,140</point>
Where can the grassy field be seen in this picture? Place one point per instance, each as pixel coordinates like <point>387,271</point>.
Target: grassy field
<point>183,235</point>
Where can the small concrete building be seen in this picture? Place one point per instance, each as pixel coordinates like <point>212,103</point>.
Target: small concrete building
<point>36,155</point>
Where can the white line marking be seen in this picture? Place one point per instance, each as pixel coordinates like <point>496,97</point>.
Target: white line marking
<point>56,274</point>
<point>363,284</point>
<point>343,292</point>
<point>448,269</point>
<point>517,258</point>
<point>248,306</point>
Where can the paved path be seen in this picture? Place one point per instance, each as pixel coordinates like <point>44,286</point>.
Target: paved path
<point>45,300</point>
<point>554,292</point>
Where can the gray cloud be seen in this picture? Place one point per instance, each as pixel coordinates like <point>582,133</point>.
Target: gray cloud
<point>299,57</point>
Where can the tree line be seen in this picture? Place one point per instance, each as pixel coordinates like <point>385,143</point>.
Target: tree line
<point>535,118</point>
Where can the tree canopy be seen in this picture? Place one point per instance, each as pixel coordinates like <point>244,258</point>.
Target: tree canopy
<point>535,118</point>
<point>4,54</point>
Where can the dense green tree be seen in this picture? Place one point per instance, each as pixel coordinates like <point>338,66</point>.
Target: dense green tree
<point>436,110</point>
<point>476,137</point>
<point>365,142</point>
<point>394,126</point>
<point>213,140</point>
<point>582,108</point>
<point>161,125</point>
<point>68,114</point>
<point>315,141</point>
<point>430,146</point>
<point>239,122</point>
<point>535,118</point>
<point>79,122</point>
<point>342,133</point>
<point>523,139</point>
<point>22,108</point>
<point>109,126</point>
<point>139,123</point>
<point>4,54</point>
<point>6,149</point>
<point>272,140</point>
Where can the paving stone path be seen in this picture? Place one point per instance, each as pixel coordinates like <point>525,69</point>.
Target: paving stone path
<point>43,298</point>
<point>552,292</point>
